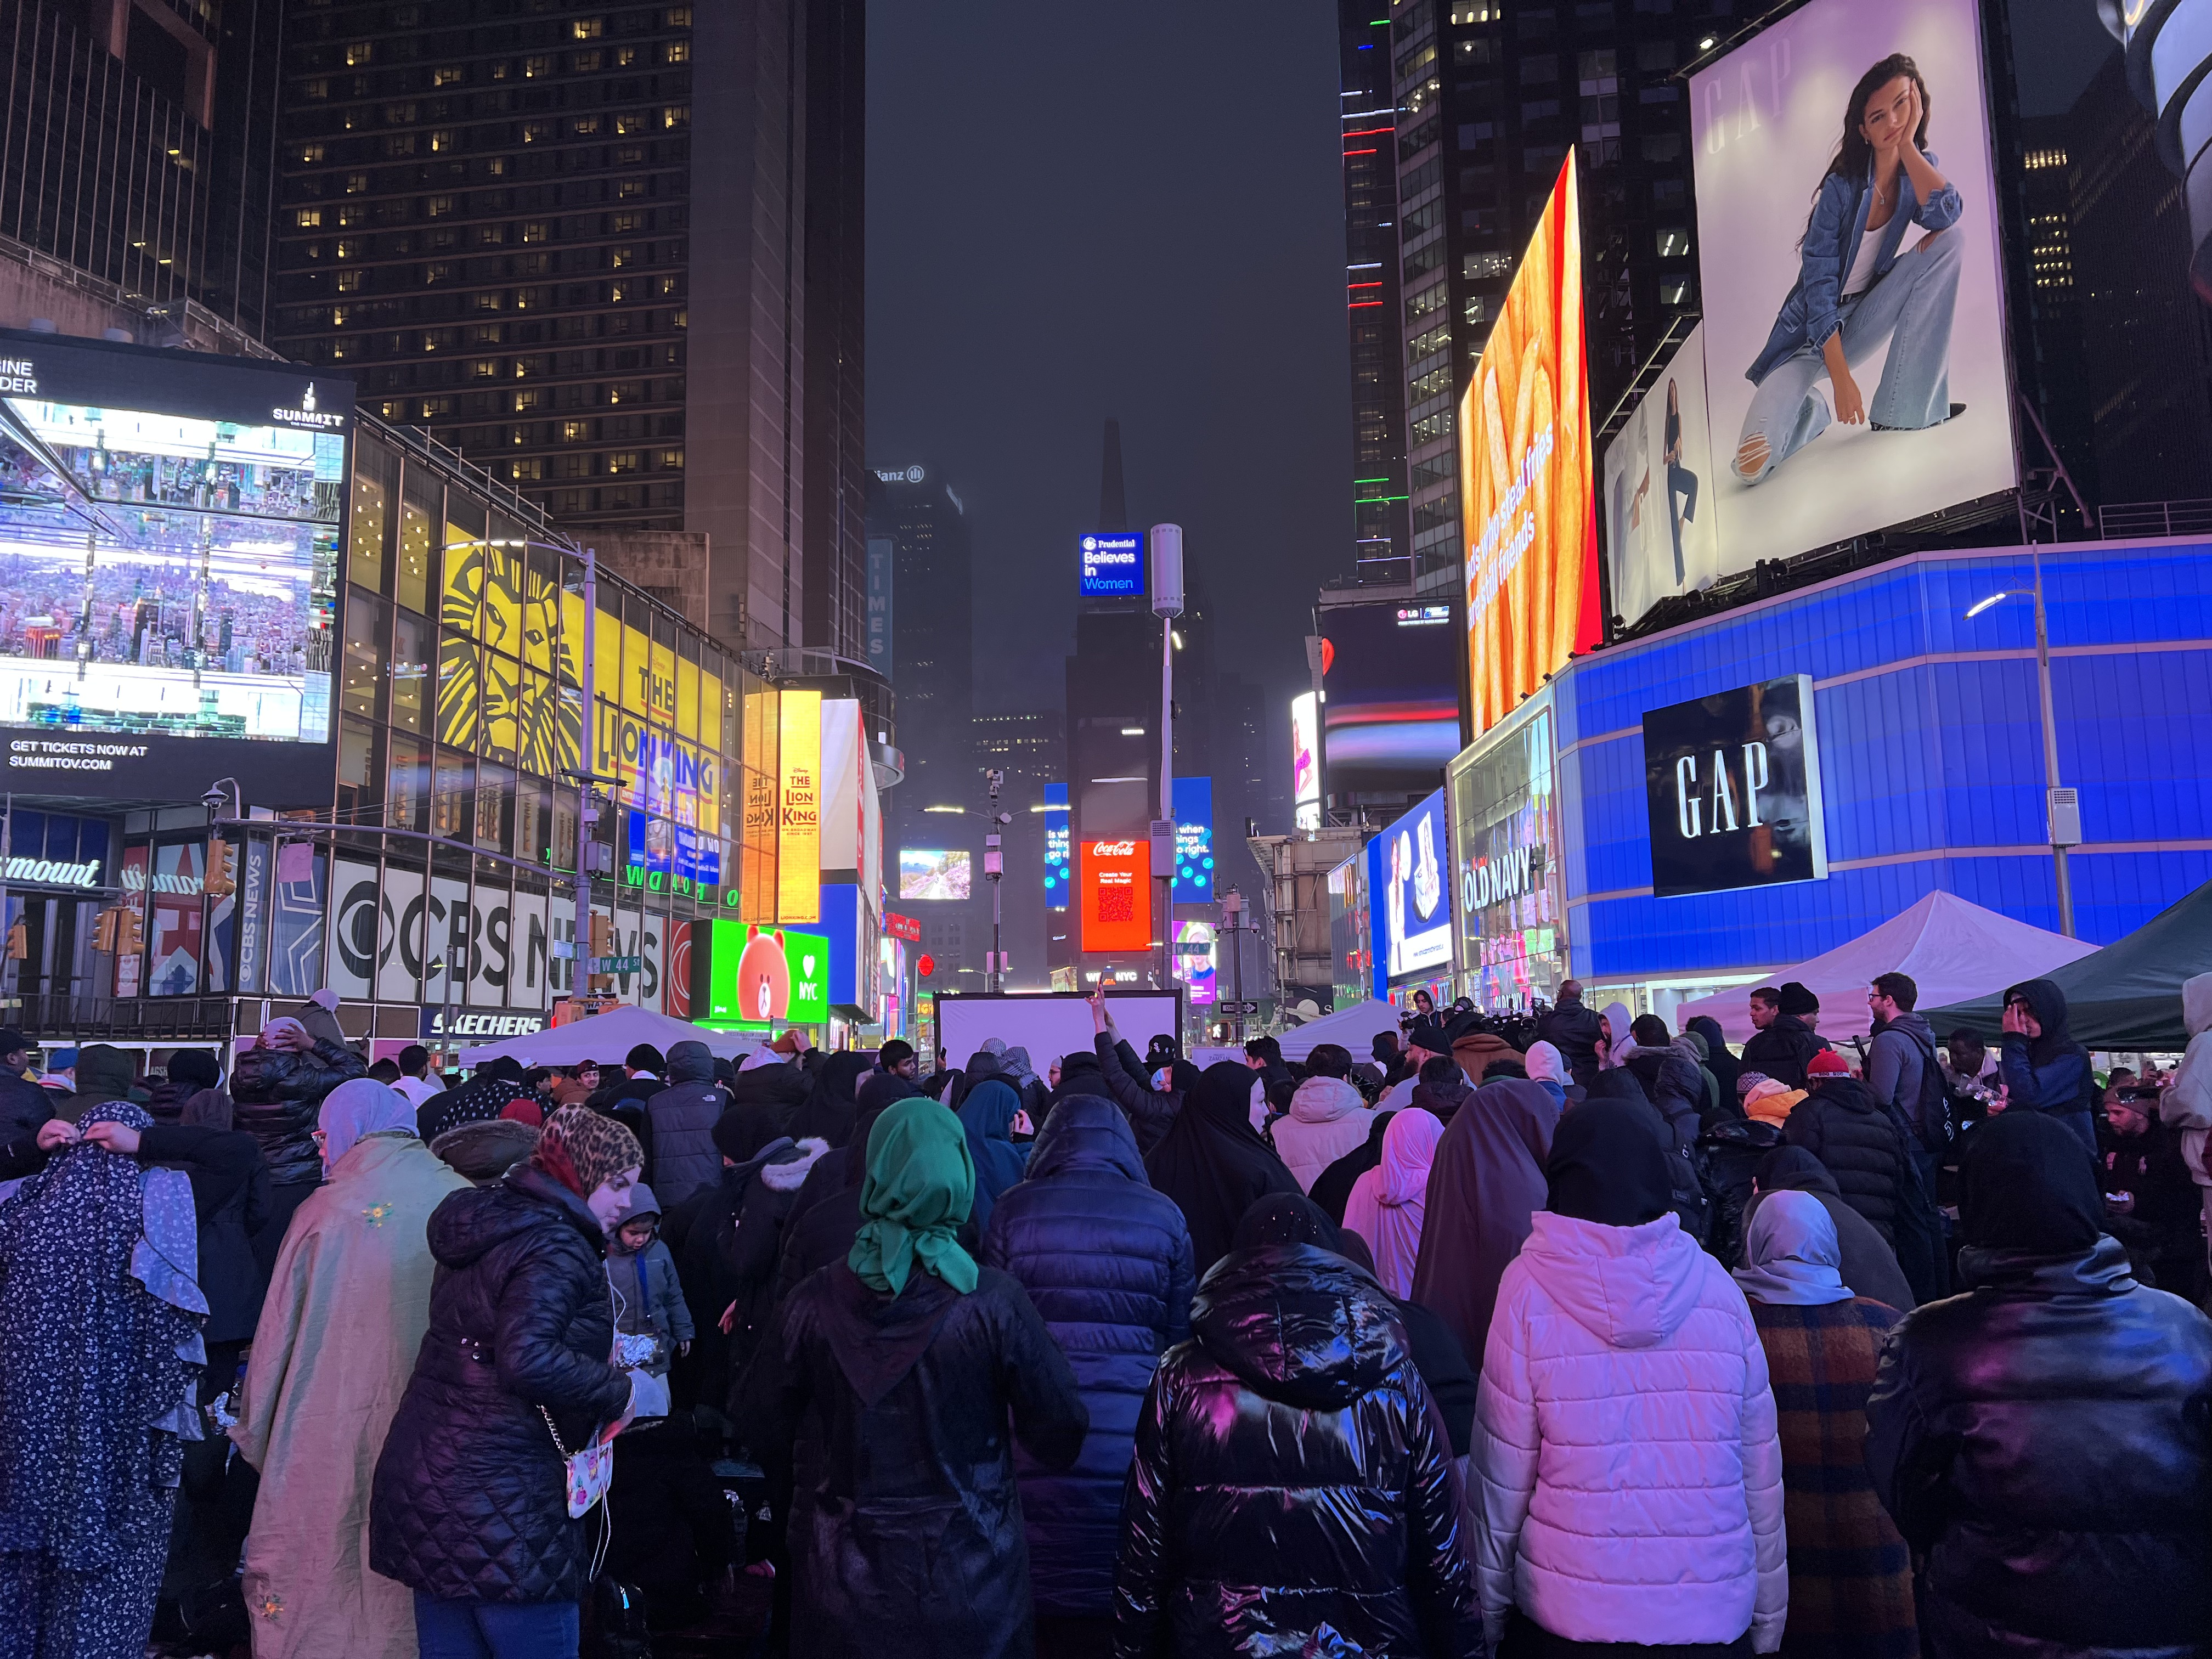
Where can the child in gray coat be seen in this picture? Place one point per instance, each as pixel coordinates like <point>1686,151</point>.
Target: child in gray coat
<point>652,1324</point>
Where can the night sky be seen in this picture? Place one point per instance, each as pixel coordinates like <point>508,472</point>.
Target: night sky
<point>1131,209</point>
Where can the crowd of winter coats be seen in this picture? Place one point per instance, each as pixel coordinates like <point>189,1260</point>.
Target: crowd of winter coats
<point>1576,1336</point>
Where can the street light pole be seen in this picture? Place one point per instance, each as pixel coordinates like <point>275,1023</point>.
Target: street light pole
<point>1164,545</point>
<point>2062,812</point>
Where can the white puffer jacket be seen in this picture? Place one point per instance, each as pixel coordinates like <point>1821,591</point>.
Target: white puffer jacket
<point>1327,1120</point>
<point>2186,1105</point>
<point>1624,1441</point>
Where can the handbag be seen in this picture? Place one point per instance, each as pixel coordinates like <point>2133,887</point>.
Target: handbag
<point>589,1471</point>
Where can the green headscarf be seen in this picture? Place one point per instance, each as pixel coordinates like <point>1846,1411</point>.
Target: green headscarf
<point>920,1181</point>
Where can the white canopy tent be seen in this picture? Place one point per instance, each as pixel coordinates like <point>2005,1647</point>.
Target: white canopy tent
<point>1954,949</point>
<point>607,1037</point>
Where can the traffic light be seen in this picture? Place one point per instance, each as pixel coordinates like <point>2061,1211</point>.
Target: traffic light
<point>103,931</point>
<point>19,941</point>
<point>222,868</point>
<point>132,937</point>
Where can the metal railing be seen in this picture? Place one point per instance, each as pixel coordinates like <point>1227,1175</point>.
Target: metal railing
<point>2154,518</point>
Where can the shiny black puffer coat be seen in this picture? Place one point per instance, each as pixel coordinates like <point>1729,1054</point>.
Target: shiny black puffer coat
<point>907,1538</point>
<point>2045,1441</point>
<point>277,1098</point>
<point>1841,1124</point>
<point>469,1501</point>
<point>1291,1475</point>
<point>1107,1261</point>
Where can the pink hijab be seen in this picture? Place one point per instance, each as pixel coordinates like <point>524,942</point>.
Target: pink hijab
<point>1388,1203</point>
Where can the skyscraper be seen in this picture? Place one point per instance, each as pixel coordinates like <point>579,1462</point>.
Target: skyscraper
<point>135,142</point>
<point>1382,538</point>
<point>517,226</point>
<point>1487,104</point>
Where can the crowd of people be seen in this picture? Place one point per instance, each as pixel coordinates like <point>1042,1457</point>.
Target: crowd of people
<point>1550,1334</point>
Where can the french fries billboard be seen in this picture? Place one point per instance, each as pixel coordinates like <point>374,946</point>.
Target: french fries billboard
<point>1524,468</point>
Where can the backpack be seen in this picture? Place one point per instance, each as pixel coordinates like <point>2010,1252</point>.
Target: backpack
<point>1934,1125</point>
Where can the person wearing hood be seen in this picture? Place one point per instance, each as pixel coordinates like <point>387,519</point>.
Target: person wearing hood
<point>1149,1110</point>
<point>727,1253</point>
<point>190,1072</point>
<point>1905,1076</point>
<point>648,1297</point>
<point>1573,1030</point>
<point>1291,1491</point>
<point>1676,1136</point>
<point>1019,1073</point>
<point>922,1372</point>
<point>1850,1575</point>
<point>1485,1182</point>
<point>1612,1036</point>
<point>1334,1190</point>
<point>1478,1050</point>
<point>2044,1442</point>
<point>1625,1433</point>
<point>468,1505</point>
<point>680,1149</point>
<point>482,1152</point>
<point>99,1339</point>
<point>1327,1119</point>
<point>1107,1261</point>
<point>1213,1164</point>
<point>2187,1102</point>
<point>986,1118</point>
<point>1766,1100</point>
<point>277,1087</point>
<point>1547,1070</point>
<point>1719,1060</point>
<point>1783,1045</point>
<point>832,1106</point>
<point>1839,1122</point>
<point>493,1084</point>
<point>773,1078</point>
<point>1672,1078</point>
<point>1440,1088</point>
<point>1389,1203</point>
<point>825,1212</point>
<point>336,1340</point>
<point>1868,1264</point>
<point>983,1063</point>
<point>1711,1109</point>
<point>2044,1069</point>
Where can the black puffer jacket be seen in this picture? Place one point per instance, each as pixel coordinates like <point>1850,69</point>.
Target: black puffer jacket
<point>1840,1124</point>
<point>682,1116</point>
<point>779,1085</point>
<point>470,1499</point>
<point>278,1099</point>
<point>1573,1031</point>
<point>906,1534</point>
<point>1151,1113</point>
<point>1291,1492</point>
<point>1783,1050</point>
<point>2045,1441</point>
<point>24,1106</point>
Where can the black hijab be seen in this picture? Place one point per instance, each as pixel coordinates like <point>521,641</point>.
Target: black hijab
<point>1332,1189</point>
<point>1294,1218</point>
<point>1724,1066</point>
<point>829,1111</point>
<point>1213,1162</point>
<point>1606,1167</point>
<point>2024,1185</point>
<point>2049,1003</point>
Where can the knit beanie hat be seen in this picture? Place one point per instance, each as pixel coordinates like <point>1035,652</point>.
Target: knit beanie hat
<point>581,1150</point>
<point>1828,1063</point>
<point>1796,1000</point>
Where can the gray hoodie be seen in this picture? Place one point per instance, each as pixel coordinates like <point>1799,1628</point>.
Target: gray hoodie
<point>1895,1059</point>
<point>2186,1105</point>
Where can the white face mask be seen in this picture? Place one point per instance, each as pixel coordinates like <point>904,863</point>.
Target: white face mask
<point>611,1195</point>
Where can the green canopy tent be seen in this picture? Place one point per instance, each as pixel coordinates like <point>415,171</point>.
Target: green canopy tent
<point>2126,996</point>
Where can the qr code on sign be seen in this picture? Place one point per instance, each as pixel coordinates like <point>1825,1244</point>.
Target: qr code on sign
<point>1117,904</point>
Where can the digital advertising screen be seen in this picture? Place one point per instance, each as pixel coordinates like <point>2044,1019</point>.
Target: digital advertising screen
<point>170,529</point>
<point>758,975</point>
<point>1194,811</point>
<point>1409,893</point>
<point>934,873</point>
<point>1113,566</point>
<point>1815,225</point>
<point>1305,750</point>
<point>1530,573</point>
<point>1391,723</point>
<point>1732,783</point>
<point>1117,895</point>
<point>1661,528</point>
<point>1194,963</point>
<point>1506,856</point>
<point>1058,874</point>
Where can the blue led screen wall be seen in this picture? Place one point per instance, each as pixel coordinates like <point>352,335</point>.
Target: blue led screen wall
<point>1930,757</point>
<point>1194,812</point>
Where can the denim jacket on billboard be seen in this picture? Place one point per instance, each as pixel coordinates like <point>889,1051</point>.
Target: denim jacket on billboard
<point>1810,314</point>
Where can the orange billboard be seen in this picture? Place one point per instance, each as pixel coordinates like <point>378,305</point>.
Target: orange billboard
<point>1117,879</point>
<point>1524,466</point>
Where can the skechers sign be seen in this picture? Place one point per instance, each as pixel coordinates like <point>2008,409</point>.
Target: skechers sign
<point>1732,784</point>
<point>1113,566</point>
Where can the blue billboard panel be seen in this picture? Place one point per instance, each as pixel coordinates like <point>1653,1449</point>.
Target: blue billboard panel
<point>1056,872</point>
<point>1194,812</point>
<point>1410,896</point>
<point>1113,566</point>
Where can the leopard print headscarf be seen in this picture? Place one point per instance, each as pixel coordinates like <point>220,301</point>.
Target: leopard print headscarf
<point>581,1150</point>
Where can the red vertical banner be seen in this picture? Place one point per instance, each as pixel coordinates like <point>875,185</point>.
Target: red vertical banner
<point>1117,879</point>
